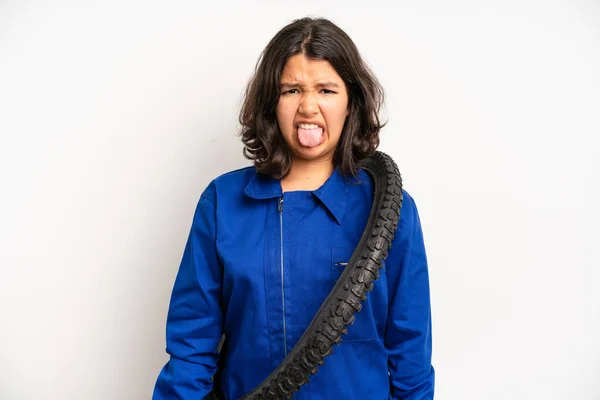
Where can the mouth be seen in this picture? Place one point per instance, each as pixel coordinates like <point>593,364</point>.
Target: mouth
<point>310,135</point>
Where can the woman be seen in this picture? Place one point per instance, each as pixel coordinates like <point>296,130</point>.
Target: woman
<point>268,242</point>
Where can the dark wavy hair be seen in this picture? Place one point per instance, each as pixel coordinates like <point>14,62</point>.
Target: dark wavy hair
<point>318,39</point>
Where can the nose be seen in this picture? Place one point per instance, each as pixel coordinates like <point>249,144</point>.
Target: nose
<point>308,104</point>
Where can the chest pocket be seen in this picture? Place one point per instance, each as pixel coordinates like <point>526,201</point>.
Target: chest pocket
<point>364,327</point>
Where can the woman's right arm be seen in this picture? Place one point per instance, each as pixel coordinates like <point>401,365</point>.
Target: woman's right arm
<point>195,318</point>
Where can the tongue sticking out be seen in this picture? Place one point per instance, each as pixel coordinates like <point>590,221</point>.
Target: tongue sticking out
<point>310,137</point>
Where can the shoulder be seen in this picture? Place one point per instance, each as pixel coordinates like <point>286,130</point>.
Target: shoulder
<point>235,178</point>
<point>407,200</point>
<point>229,183</point>
<point>409,214</point>
<point>364,183</point>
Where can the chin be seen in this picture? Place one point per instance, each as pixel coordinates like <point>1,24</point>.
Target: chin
<point>312,153</point>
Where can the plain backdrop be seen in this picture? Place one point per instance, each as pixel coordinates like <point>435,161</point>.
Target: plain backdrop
<point>114,116</point>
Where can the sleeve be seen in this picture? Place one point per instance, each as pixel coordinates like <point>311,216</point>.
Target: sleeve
<point>195,317</point>
<point>408,329</point>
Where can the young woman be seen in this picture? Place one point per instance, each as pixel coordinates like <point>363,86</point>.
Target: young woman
<point>268,242</point>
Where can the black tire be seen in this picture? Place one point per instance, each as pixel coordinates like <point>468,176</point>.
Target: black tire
<point>337,311</point>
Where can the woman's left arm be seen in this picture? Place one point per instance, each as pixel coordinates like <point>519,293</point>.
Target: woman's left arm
<point>408,329</point>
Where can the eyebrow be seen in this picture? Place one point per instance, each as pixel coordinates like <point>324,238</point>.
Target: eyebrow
<point>285,85</point>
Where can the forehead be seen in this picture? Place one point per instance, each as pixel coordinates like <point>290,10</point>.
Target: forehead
<point>301,69</point>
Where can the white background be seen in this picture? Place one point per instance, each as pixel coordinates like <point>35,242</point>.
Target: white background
<point>115,116</point>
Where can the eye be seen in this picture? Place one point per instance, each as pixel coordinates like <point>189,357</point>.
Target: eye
<point>291,91</point>
<point>327,91</point>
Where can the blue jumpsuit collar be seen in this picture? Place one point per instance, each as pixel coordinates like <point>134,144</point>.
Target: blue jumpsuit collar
<point>332,194</point>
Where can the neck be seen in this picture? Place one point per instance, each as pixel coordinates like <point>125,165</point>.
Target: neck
<point>307,175</point>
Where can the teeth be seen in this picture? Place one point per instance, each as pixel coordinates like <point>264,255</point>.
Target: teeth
<point>308,126</point>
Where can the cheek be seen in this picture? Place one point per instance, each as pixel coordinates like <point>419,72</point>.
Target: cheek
<point>335,116</point>
<point>285,113</point>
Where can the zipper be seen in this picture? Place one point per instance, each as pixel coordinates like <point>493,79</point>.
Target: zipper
<point>280,208</point>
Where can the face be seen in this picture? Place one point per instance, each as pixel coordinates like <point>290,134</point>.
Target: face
<point>312,108</point>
